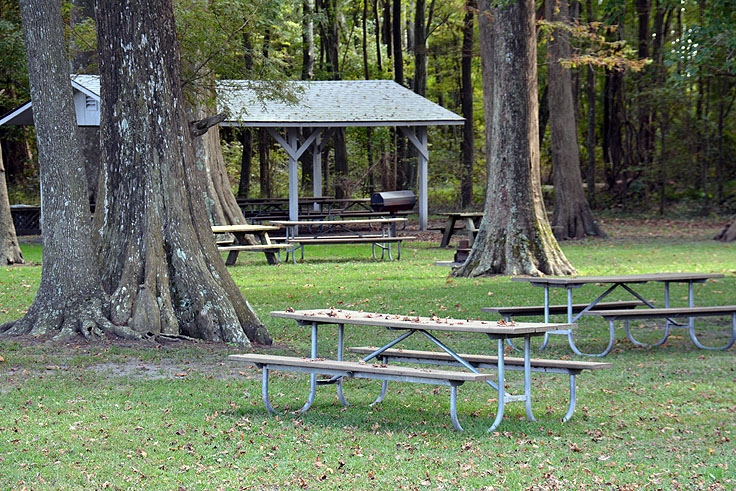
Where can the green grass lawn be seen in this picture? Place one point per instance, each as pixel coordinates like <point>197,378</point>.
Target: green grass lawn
<point>180,416</point>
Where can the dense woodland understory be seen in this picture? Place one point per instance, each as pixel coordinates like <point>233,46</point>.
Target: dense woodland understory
<point>655,139</point>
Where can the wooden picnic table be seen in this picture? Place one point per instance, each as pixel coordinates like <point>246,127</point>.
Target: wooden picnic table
<point>470,223</point>
<point>241,233</point>
<point>429,328</point>
<point>328,205</point>
<point>612,282</point>
<point>302,232</point>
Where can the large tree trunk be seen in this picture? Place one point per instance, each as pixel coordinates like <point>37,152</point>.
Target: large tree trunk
<point>420,48</point>
<point>10,252</point>
<point>728,232</point>
<point>468,145</point>
<point>514,236</point>
<point>307,39</point>
<point>158,257</point>
<point>590,140</point>
<point>222,207</point>
<point>572,218</point>
<point>70,299</point>
<point>246,163</point>
<point>403,165</point>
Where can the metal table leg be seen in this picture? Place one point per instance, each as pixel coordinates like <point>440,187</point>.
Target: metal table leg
<point>501,384</point>
<point>312,376</point>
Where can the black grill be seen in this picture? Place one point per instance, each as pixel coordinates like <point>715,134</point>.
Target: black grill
<point>390,201</point>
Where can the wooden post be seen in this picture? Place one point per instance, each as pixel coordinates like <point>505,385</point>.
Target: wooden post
<point>293,141</point>
<point>317,169</point>
<point>418,138</point>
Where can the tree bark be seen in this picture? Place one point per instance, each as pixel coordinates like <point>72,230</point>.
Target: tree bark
<point>70,299</point>
<point>728,232</point>
<point>219,200</point>
<point>10,252</point>
<point>590,140</point>
<point>514,235</point>
<point>420,48</point>
<point>403,166</point>
<point>572,217</point>
<point>246,163</point>
<point>158,257</point>
<point>468,145</point>
<point>307,39</point>
<point>264,163</point>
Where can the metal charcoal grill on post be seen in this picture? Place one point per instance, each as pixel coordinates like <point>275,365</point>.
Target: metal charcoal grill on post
<point>391,201</point>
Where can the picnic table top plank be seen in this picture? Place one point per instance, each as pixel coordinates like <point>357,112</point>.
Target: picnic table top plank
<point>633,278</point>
<point>339,316</point>
<point>462,214</point>
<point>360,221</point>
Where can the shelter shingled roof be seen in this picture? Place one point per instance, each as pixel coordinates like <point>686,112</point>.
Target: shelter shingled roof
<point>331,104</point>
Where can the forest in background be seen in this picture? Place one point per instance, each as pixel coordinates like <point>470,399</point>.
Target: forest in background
<point>653,85</point>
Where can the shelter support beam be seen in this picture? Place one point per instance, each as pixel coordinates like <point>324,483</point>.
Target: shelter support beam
<point>294,148</point>
<point>417,135</point>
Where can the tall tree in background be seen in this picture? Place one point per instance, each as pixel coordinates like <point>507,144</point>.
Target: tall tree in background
<point>10,252</point>
<point>158,258</point>
<point>330,31</point>
<point>403,165</point>
<point>70,299</point>
<point>468,145</point>
<point>572,217</point>
<point>307,39</point>
<point>514,236</point>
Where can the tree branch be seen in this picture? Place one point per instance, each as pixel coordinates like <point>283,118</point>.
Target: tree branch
<point>199,128</point>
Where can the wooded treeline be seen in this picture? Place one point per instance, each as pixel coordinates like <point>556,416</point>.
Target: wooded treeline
<point>654,139</point>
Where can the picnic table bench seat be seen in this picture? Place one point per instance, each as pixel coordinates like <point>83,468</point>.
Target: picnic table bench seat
<point>670,313</point>
<point>339,369</point>
<point>518,311</point>
<point>349,240</point>
<point>253,247</point>
<point>569,367</point>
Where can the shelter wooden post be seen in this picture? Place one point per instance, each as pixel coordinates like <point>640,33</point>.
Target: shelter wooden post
<point>293,137</point>
<point>294,150</point>
<point>418,137</point>
<point>317,169</point>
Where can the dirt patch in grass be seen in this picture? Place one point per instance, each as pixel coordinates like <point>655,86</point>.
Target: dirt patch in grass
<point>143,360</point>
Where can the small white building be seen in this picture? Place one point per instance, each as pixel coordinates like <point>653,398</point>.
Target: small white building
<point>86,89</point>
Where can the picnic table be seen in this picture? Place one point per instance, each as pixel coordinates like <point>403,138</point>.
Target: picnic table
<point>381,233</point>
<point>408,325</point>
<point>627,283</point>
<point>240,243</point>
<point>254,208</point>
<point>470,223</point>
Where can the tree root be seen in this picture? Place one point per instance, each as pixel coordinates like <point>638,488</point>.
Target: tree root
<point>85,319</point>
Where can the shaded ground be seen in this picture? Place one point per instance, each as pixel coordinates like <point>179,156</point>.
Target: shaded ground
<point>164,359</point>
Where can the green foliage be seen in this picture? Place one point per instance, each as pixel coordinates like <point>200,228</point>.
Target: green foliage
<point>591,46</point>
<point>233,39</point>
